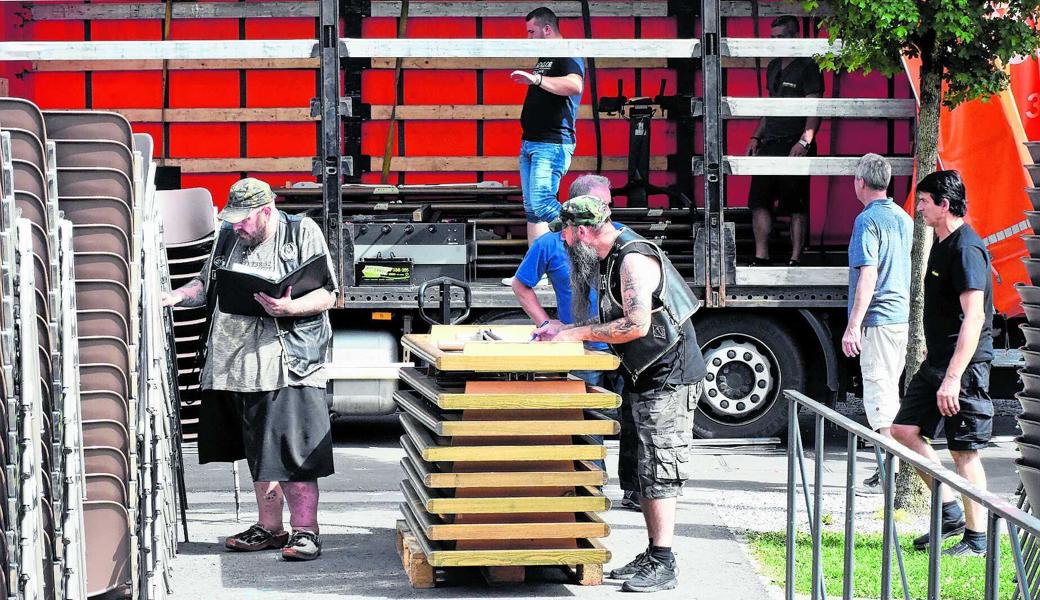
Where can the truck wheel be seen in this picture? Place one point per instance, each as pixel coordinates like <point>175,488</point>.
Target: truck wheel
<point>750,360</point>
<point>503,317</point>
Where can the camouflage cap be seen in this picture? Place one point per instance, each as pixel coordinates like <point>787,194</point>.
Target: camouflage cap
<point>581,210</point>
<point>245,196</point>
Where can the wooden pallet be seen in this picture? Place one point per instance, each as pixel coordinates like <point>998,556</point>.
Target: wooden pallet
<point>527,395</point>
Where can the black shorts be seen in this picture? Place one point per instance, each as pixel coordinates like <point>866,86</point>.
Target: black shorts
<point>969,429</point>
<point>284,435</point>
<point>789,193</point>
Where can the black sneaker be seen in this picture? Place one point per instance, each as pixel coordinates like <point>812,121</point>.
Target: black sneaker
<point>949,529</point>
<point>874,480</point>
<point>256,538</point>
<point>302,545</point>
<point>653,576</point>
<point>629,571</point>
<point>631,501</point>
<point>964,549</point>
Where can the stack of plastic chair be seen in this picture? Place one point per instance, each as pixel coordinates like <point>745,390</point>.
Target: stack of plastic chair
<point>189,223</point>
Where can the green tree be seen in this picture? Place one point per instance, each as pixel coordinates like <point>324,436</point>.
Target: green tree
<point>962,45</point>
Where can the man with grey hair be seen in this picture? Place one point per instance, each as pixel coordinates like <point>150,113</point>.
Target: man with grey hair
<point>879,294</point>
<point>591,184</point>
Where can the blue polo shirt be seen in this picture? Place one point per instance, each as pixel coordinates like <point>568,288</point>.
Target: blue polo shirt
<point>548,256</point>
<point>881,237</point>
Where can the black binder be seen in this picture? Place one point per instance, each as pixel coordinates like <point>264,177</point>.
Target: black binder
<point>235,289</point>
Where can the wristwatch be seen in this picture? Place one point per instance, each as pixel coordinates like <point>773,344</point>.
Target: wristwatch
<point>804,143</point>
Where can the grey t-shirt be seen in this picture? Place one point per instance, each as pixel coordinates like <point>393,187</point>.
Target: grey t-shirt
<point>245,354</point>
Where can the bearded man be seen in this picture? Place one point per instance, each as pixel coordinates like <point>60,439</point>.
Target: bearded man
<point>645,310</point>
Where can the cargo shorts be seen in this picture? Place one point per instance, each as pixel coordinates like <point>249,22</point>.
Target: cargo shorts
<point>664,428</point>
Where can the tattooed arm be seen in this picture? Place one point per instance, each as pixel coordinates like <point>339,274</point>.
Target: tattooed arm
<point>192,293</point>
<point>640,276</point>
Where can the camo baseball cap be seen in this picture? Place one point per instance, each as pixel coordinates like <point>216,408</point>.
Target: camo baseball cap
<point>245,196</point>
<point>581,210</point>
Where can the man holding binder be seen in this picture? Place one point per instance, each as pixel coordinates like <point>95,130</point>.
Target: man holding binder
<point>263,376</point>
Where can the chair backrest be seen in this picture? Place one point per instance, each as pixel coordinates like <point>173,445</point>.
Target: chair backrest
<point>88,125</point>
<point>188,215</point>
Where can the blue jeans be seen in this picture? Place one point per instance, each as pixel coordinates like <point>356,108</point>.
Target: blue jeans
<point>542,165</point>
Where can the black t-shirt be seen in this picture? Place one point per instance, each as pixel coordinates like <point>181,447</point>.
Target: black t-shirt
<point>957,264</point>
<point>801,78</point>
<point>547,117</point>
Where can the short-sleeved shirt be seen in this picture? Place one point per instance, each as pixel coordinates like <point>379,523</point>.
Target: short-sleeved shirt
<point>881,237</point>
<point>957,264</point>
<point>244,352</point>
<point>548,256</point>
<point>547,117</point>
<point>801,78</point>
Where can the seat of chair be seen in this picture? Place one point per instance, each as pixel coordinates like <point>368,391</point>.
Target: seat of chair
<point>103,376</point>
<point>79,181</point>
<point>104,350</point>
<point>92,210</point>
<point>187,215</point>
<point>102,405</point>
<point>112,434</point>
<point>102,322</point>
<point>29,178</point>
<point>101,237</point>
<point>94,154</point>
<point>107,533</point>
<point>26,146</point>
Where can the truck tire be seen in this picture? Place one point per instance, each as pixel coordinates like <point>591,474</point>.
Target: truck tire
<point>503,317</point>
<point>750,359</point>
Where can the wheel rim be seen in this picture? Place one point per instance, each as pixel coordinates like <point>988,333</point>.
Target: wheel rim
<point>742,379</point>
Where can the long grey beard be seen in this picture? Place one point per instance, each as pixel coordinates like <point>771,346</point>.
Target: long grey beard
<point>584,278</point>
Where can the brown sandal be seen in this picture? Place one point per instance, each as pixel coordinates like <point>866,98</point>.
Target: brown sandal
<point>256,538</point>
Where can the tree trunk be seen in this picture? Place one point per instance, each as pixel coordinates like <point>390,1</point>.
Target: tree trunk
<point>910,490</point>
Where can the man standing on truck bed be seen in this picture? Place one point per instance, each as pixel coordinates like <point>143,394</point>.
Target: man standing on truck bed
<point>952,386</point>
<point>548,257</point>
<point>879,294</point>
<point>554,88</point>
<point>645,311</point>
<point>784,136</point>
<point>264,378</point>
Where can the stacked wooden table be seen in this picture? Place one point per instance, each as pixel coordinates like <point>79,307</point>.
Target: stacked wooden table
<point>498,465</point>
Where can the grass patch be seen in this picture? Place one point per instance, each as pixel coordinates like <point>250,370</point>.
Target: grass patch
<point>960,578</point>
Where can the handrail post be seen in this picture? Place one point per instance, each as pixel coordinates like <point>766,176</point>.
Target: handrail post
<point>992,589</point>
<point>935,540</point>
<point>1020,568</point>
<point>889,528</point>
<point>792,432</point>
<point>850,518</point>
<point>817,516</point>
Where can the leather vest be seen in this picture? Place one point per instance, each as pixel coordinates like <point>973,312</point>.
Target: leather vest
<point>305,340</point>
<point>673,305</point>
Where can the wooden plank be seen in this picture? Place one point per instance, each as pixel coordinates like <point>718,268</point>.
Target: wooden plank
<point>591,501</point>
<point>590,525</point>
<point>821,277</point>
<point>589,552</point>
<point>519,48</point>
<point>477,112</point>
<point>240,165</point>
<point>423,347</point>
<point>431,450</point>
<point>215,115</point>
<point>816,165</point>
<point>50,11</point>
<point>175,65</point>
<point>166,49</point>
<point>413,559</point>
<point>509,63</point>
<point>501,163</point>
<point>4,86</point>
<point>427,8</point>
<point>450,398</point>
<point>782,47</point>
<point>860,108</point>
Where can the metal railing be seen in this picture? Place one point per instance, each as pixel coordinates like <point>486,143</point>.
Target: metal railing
<point>1022,527</point>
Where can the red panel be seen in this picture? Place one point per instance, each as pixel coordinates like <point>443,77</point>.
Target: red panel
<point>53,31</point>
<point>378,178</point>
<point>569,28</point>
<point>377,86</point>
<point>440,87</point>
<point>607,80</point>
<point>58,90</point>
<point>203,89</point>
<point>451,177</point>
<point>279,29</point>
<point>612,27</point>
<point>125,30</point>
<point>502,138</point>
<point>659,27</point>
<point>279,88</point>
<point>204,140</point>
<point>651,81</point>
<point>204,29</point>
<point>437,138</point>
<point>505,27</point>
<point>379,27</point>
<point>460,28</point>
<point>153,129</point>
<point>281,139</point>
<point>218,184</point>
<point>500,89</point>
<point>615,138</point>
<point>127,89</point>
<point>373,138</point>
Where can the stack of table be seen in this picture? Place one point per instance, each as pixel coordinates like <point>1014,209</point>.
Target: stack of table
<point>498,463</point>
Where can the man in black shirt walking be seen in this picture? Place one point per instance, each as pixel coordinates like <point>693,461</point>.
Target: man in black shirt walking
<point>784,136</point>
<point>952,386</point>
<point>554,88</point>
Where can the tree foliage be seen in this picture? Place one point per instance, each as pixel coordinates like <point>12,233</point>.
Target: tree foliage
<point>968,39</point>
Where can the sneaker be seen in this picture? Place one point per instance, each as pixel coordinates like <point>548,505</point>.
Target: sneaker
<point>631,501</point>
<point>256,538</point>
<point>964,549</point>
<point>629,571</point>
<point>874,480</point>
<point>949,529</point>
<point>653,576</point>
<point>303,545</point>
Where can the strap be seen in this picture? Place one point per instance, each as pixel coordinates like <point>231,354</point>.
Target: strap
<point>388,150</point>
<point>758,60</point>
<point>586,19</point>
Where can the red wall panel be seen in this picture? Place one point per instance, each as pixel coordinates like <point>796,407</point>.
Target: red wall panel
<point>57,89</point>
<point>437,138</point>
<point>440,87</point>
<point>279,29</point>
<point>281,139</point>
<point>204,29</point>
<point>120,29</point>
<point>279,88</point>
<point>204,89</point>
<point>204,140</point>
<point>127,89</point>
<point>218,184</point>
